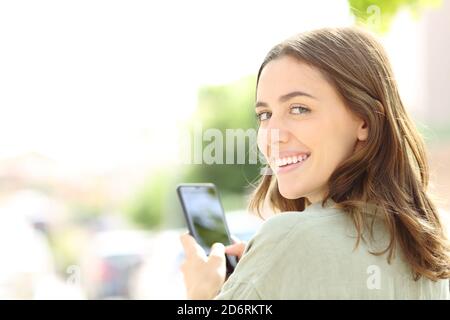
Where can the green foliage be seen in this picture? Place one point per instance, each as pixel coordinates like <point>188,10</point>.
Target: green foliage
<point>378,15</point>
<point>147,207</point>
<point>226,107</point>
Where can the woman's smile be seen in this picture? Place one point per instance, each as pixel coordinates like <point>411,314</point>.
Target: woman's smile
<point>287,164</point>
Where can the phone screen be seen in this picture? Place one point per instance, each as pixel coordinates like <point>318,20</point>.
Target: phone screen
<point>205,217</point>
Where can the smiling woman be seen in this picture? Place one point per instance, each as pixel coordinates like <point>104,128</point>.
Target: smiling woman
<point>311,121</point>
<point>351,168</point>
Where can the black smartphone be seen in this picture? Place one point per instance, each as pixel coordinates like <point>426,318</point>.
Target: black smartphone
<point>205,217</point>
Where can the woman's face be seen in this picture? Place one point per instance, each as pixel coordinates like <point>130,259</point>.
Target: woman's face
<point>306,130</point>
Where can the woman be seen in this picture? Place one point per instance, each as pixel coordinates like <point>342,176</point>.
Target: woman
<point>350,183</point>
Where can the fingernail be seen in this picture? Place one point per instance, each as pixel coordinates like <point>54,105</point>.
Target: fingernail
<point>218,245</point>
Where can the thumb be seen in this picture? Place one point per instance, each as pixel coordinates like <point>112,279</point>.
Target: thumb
<point>217,254</point>
<point>217,249</point>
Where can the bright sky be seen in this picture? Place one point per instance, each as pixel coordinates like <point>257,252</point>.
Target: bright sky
<point>102,84</point>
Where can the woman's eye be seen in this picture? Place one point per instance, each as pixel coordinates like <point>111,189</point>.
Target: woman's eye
<point>299,110</point>
<point>262,116</point>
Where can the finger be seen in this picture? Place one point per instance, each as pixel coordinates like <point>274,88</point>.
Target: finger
<point>191,247</point>
<point>235,249</point>
<point>217,254</point>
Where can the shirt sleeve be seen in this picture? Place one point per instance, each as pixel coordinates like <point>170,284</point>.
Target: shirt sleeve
<point>239,291</point>
<point>248,281</point>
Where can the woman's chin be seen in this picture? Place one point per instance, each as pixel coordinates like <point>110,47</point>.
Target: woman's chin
<point>288,194</point>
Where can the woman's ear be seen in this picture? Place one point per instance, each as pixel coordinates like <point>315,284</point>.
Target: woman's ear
<point>363,131</point>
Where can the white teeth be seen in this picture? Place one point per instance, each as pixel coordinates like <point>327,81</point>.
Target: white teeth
<point>289,160</point>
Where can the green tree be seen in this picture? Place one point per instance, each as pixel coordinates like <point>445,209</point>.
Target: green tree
<point>227,107</point>
<point>148,206</point>
<point>378,15</point>
<point>221,107</point>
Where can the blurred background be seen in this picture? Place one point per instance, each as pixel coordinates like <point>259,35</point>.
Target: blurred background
<point>97,99</point>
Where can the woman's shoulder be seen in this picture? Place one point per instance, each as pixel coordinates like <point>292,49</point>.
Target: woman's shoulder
<point>284,239</point>
<point>297,220</point>
<point>280,228</point>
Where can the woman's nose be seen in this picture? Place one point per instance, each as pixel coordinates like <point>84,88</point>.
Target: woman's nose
<point>277,131</point>
<point>277,134</point>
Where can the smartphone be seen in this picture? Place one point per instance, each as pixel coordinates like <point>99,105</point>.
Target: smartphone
<point>205,217</point>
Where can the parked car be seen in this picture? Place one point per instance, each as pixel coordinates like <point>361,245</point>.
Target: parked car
<point>110,262</point>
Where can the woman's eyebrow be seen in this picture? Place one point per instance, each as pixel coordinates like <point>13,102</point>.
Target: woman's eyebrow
<point>286,97</point>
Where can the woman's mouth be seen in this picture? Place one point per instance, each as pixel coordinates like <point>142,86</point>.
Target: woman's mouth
<point>287,164</point>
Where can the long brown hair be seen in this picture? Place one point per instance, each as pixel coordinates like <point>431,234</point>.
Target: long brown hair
<point>391,169</point>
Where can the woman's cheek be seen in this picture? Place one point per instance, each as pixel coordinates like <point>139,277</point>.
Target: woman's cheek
<point>262,142</point>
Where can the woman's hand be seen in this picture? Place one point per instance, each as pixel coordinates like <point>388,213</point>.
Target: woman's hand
<point>203,276</point>
<point>236,249</point>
